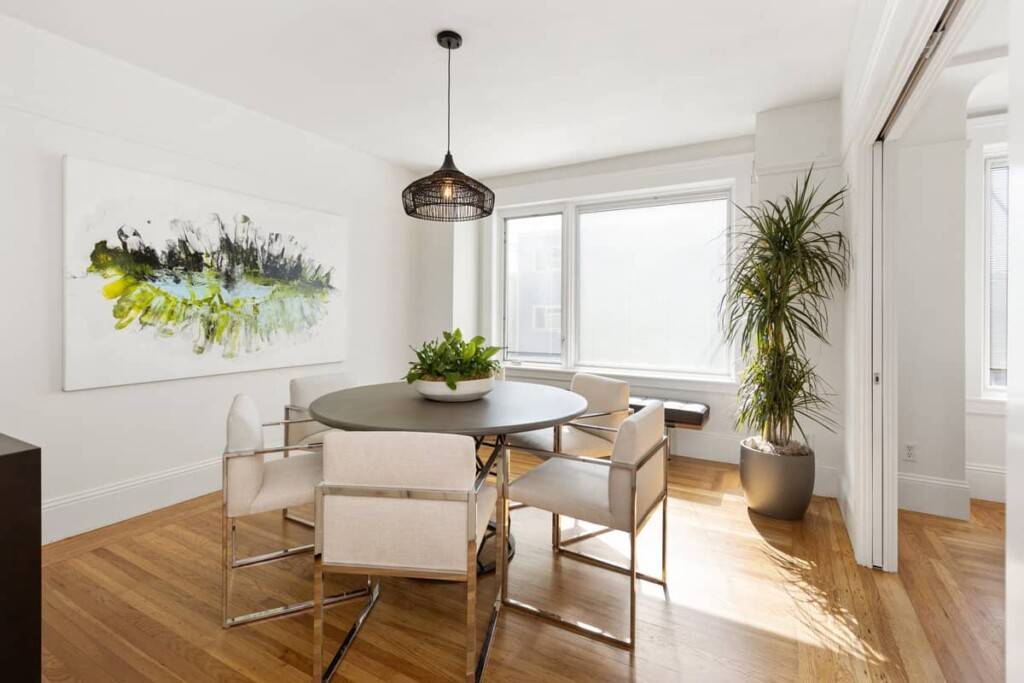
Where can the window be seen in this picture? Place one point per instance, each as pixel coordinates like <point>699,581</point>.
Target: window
<point>643,281</point>
<point>533,288</point>
<point>997,177</point>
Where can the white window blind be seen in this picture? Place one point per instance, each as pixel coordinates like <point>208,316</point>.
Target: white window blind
<point>650,279</point>
<point>997,215</point>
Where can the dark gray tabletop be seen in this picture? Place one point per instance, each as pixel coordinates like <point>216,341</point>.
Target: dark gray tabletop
<point>512,407</point>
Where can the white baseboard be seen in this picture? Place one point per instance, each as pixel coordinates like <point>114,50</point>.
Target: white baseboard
<point>934,495</point>
<point>725,447</point>
<point>987,482</point>
<point>76,513</point>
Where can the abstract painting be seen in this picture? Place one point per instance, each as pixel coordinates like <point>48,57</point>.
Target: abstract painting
<point>166,279</point>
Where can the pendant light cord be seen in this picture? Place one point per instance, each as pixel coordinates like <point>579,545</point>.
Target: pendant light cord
<point>449,100</point>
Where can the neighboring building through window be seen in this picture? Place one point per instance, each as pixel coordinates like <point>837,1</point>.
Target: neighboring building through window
<point>997,237</point>
<point>533,288</point>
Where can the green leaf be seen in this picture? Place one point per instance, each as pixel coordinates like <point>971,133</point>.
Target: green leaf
<point>451,380</point>
<point>784,273</point>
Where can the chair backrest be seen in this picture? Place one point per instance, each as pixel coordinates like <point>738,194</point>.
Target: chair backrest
<point>637,435</point>
<point>604,395</point>
<point>244,474</point>
<point>397,532</point>
<point>304,390</point>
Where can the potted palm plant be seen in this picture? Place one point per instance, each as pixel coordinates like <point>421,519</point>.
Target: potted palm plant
<point>454,369</point>
<point>786,269</point>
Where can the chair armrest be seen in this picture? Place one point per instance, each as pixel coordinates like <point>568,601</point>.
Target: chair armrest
<point>281,449</point>
<point>601,461</point>
<point>579,458</point>
<point>584,426</point>
<point>279,423</point>
<point>650,452</point>
<point>606,413</point>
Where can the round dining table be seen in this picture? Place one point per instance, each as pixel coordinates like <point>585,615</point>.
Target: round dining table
<point>512,407</point>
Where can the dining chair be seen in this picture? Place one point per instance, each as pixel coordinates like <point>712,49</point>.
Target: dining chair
<point>591,434</point>
<point>618,494</point>
<point>253,484</point>
<point>301,392</point>
<point>398,504</point>
<point>299,428</point>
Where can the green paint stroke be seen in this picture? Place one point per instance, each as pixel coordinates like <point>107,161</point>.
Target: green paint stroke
<point>239,290</point>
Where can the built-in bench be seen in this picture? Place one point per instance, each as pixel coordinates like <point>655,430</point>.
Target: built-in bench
<point>678,414</point>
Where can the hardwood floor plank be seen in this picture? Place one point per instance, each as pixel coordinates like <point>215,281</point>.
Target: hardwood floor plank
<point>749,599</point>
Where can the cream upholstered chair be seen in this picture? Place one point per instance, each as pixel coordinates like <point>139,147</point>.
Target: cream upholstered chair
<point>299,428</point>
<point>399,504</point>
<point>251,485</point>
<point>619,494</point>
<point>591,434</point>
<point>301,392</point>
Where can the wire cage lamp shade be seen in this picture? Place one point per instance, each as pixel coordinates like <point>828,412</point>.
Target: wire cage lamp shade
<point>448,194</point>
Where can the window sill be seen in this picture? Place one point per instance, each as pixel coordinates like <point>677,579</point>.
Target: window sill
<point>666,385</point>
<point>987,405</point>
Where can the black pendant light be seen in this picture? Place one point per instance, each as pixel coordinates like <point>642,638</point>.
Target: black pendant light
<point>448,194</point>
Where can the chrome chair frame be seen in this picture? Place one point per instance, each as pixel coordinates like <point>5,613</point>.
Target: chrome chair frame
<point>289,411</point>
<point>638,520</point>
<point>230,560</point>
<point>475,664</point>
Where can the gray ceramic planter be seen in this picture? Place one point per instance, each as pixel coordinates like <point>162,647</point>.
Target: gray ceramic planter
<point>778,486</point>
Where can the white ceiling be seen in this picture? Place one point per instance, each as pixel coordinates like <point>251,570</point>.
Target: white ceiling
<point>536,84</point>
<point>988,34</point>
<point>988,29</point>
<point>991,95</point>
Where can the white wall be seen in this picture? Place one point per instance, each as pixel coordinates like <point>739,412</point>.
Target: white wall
<point>434,278</point>
<point>786,142</point>
<point>1015,406</point>
<point>466,277</point>
<point>985,458</point>
<point>109,454</point>
<point>926,197</point>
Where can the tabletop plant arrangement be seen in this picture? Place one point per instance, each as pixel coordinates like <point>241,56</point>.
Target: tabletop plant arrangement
<point>786,269</point>
<point>454,368</point>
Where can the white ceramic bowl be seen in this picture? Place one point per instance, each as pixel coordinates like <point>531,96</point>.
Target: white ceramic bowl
<point>466,390</point>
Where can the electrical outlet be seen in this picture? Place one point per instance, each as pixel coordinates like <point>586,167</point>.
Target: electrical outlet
<point>910,452</point>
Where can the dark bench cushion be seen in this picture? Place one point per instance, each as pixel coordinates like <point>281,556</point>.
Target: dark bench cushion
<point>677,413</point>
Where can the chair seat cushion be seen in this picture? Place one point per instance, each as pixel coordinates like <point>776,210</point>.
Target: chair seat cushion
<point>574,441</point>
<point>288,482</point>
<point>574,489</point>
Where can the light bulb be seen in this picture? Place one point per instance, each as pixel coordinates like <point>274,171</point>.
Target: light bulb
<point>447,189</point>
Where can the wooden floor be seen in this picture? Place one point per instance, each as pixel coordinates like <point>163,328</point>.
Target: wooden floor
<point>751,599</point>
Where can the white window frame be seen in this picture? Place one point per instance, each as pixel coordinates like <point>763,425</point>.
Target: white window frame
<point>570,211</point>
<point>502,283</point>
<point>993,154</point>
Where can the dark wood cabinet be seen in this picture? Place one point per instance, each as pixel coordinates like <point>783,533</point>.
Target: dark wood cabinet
<point>20,574</point>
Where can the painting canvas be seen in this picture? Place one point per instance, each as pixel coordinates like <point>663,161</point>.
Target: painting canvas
<point>166,279</point>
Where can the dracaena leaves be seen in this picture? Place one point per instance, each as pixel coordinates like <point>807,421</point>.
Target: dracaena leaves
<point>786,270</point>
